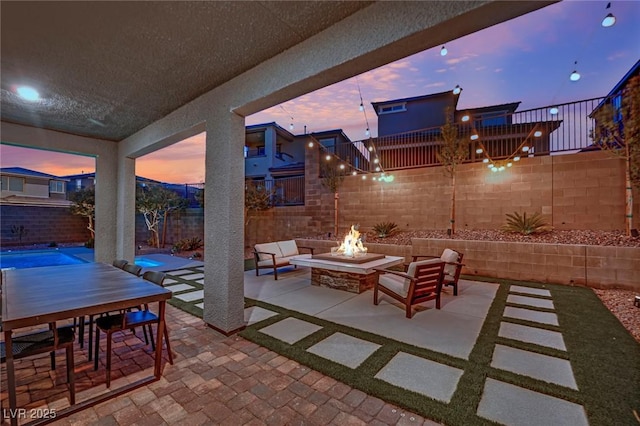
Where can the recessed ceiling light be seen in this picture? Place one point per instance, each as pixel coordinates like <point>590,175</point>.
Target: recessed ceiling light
<point>28,93</point>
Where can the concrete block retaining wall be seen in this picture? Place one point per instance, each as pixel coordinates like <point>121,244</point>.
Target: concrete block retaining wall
<point>592,266</point>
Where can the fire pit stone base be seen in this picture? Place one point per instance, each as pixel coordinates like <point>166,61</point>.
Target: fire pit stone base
<point>347,281</point>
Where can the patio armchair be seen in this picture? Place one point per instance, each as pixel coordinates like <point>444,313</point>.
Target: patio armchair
<point>422,282</point>
<point>128,320</point>
<point>453,266</point>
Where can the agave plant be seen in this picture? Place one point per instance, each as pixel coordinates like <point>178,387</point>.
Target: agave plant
<point>525,225</point>
<point>384,229</point>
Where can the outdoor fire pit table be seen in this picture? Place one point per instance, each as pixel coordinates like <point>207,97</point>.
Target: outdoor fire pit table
<point>353,274</point>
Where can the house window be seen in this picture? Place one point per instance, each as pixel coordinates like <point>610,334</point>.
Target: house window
<point>56,187</point>
<point>78,184</point>
<point>617,108</point>
<point>14,184</point>
<point>391,108</point>
<point>329,144</point>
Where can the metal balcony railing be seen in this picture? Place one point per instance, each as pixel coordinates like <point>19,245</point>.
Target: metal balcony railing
<point>548,130</point>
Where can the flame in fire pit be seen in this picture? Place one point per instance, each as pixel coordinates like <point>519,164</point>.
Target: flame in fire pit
<point>352,244</point>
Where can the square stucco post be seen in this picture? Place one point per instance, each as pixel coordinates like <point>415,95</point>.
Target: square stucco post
<point>126,210</point>
<point>106,197</point>
<point>224,223</point>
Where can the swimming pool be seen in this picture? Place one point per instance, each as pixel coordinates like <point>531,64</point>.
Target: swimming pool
<point>22,259</point>
<point>36,258</point>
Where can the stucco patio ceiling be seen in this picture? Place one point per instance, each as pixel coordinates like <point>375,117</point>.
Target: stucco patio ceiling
<point>108,69</point>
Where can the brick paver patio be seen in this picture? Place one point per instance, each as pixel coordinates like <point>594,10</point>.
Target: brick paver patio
<point>215,380</point>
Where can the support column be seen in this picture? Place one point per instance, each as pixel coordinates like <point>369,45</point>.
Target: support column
<point>224,223</point>
<point>106,198</point>
<point>126,210</point>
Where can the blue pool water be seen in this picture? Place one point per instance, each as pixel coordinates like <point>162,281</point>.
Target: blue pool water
<point>22,259</point>
<point>36,258</point>
<point>147,263</point>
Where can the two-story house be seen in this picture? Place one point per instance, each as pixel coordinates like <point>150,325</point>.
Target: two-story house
<point>22,186</point>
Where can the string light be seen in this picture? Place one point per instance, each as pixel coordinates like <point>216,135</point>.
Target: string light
<point>575,75</point>
<point>457,89</point>
<point>443,51</point>
<point>290,116</point>
<point>501,165</point>
<point>608,20</point>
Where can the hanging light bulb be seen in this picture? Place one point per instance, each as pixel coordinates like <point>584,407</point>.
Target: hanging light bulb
<point>465,118</point>
<point>341,166</point>
<point>474,136</point>
<point>361,107</point>
<point>525,148</point>
<point>367,133</point>
<point>444,51</point>
<point>516,158</point>
<point>478,150</point>
<point>575,75</point>
<point>537,133</point>
<point>457,89</point>
<point>553,110</point>
<point>608,20</point>
<point>354,173</point>
<point>310,144</point>
<point>370,148</point>
<point>486,160</point>
<point>328,157</point>
<point>291,126</point>
<point>378,169</point>
<point>376,161</point>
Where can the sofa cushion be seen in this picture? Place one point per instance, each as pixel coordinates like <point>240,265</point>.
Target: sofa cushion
<point>449,255</point>
<point>288,248</point>
<point>268,248</point>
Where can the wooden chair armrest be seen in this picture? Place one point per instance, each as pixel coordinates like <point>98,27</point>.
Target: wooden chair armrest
<point>416,256</point>
<point>398,273</point>
<point>307,248</point>
<point>265,252</point>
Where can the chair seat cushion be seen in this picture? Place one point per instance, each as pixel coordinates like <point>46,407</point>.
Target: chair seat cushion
<point>394,283</point>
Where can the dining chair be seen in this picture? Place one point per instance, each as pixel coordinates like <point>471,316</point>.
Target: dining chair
<point>421,282</point>
<point>40,342</point>
<point>119,263</point>
<point>110,324</point>
<point>132,268</point>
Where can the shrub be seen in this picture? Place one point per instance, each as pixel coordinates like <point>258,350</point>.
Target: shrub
<point>188,244</point>
<point>525,225</point>
<point>385,229</point>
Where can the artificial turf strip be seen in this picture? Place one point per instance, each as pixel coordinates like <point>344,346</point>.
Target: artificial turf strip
<point>583,349</point>
<point>604,357</point>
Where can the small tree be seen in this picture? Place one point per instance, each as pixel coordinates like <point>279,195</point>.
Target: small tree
<point>256,198</point>
<point>618,132</point>
<point>154,202</point>
<point>84,204</point>
<point>332,177</point>
<point>452,153</point>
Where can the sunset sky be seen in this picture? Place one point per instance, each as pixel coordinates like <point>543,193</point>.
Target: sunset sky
<point>528,59</point>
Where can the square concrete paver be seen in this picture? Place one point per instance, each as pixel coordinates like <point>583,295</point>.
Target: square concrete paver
<point>542,367</point>
<point>200,281</point>
<point>530,290</point>
<point>530,301</point>
<point>290,330</point>
<point>435,380</point>
<point>538,336</point>
<point>344,349</point>
<point>179,287</point>
<point>191,296</point>
<point>180,272</point>
<point>192,276</point>
<point>529,315</point>
<point>199,305</point>
<point>168,281</point>
<point>256,314</point>
<point>512,405</point>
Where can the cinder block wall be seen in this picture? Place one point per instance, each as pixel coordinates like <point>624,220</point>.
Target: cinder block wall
<point>44,225</point>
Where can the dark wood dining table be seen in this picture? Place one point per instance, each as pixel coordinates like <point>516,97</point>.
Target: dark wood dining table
<point>36,296</point>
